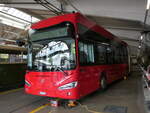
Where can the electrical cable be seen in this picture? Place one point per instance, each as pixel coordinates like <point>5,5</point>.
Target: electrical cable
<point>49,5</point>
<point>53,6</point>
<point>46,6</point>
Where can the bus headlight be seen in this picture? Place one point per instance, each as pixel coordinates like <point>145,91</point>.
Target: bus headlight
<point>27,83</point>
<point>68,86</point>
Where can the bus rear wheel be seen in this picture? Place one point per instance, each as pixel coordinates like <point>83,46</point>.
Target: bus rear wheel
<point>103,83</point>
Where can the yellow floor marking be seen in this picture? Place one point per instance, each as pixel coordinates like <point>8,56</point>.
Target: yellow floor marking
<point>39,108</point>
<point>10,91</point>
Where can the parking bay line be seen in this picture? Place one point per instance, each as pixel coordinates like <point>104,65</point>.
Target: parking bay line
<point>39,108</point>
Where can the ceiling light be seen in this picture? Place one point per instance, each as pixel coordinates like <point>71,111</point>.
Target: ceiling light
<point>148,4</point>
<point>2,4</point>
<point>139,46</point>
<point>141,37</point>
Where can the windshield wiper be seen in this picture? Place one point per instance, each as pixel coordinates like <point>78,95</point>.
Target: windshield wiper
<point>61,70</point>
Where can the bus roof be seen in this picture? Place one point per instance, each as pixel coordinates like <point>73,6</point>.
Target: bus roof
<point>54,20</point>
<point>76,18</point>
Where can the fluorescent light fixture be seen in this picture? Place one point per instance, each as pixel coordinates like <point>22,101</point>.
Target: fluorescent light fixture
<point>105,43</point>
<point>139,46</point>
<point>10,22</point>
<point>2,4</point>
<point>141,37</point>
<point>148,4</point>
<point>16,18</point>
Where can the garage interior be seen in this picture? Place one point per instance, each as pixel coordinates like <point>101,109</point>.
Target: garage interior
<point>127,19</point>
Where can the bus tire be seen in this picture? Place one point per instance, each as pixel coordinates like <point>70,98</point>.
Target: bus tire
<point>103,83</point>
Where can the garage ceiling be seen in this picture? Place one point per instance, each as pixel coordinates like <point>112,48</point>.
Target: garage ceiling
<point>123,9</point>
<point>123,18</point>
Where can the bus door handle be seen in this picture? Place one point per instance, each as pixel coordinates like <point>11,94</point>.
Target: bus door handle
<point>82,70</point>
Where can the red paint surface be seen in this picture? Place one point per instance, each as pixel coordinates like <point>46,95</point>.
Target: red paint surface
<point>88,80</point>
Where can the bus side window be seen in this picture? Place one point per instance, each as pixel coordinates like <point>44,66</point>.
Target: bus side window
<point>122,54</point>
<point>86,53</point>
<point>125,55</point>
<point>82,53</point>
<point>117,55</point>
<point>110,56</point>
<point>101,54</point>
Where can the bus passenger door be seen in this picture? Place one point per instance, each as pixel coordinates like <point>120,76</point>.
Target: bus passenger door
<point>111,68</point>
<point>87,75</point>
<point>104,60</point>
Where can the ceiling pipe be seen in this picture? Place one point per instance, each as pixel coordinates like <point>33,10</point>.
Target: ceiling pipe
<point>123,28</point>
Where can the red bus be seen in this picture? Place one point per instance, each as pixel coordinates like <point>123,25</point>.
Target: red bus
<point>70,56</point>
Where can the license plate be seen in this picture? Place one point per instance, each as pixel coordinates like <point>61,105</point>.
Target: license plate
<point>43,93</point>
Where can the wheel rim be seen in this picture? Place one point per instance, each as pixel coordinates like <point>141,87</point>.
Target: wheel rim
<point>103,83</point>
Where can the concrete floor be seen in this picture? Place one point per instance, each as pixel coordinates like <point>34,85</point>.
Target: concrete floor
<point>126,94</point>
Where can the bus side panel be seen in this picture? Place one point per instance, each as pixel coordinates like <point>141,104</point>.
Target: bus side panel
<point>117,71</point>
<point>89,76</point>
<point>88,79</point>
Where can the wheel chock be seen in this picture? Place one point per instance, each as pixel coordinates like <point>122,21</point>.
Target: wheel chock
<point>72,103</point>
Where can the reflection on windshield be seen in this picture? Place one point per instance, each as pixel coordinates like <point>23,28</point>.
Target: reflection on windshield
<point>52,54</point>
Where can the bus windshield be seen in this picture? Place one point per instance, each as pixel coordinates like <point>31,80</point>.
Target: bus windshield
<point>51,53</point>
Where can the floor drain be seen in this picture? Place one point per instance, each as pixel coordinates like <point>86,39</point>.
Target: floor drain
<point>115,109</point>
